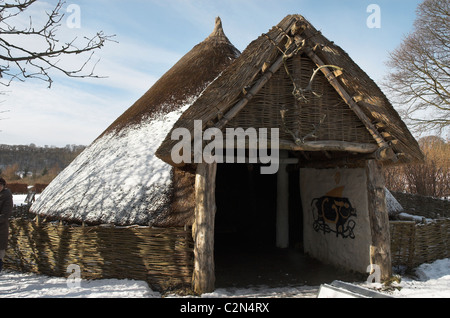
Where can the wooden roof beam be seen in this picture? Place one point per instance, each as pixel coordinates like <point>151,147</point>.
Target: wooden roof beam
<point>324,146</point>
<point>330,145</point>
<point>251,93</point>
<point>387,154</point>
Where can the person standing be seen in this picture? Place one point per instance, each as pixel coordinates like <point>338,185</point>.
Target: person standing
<point>6,207</point>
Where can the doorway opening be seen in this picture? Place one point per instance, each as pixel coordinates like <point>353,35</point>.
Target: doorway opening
<point>245,227</point>
<point>246,208</point>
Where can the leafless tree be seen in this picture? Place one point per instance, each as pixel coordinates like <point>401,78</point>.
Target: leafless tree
<point>419,79</point>
<point>429,178</point>
<point>20,61</point>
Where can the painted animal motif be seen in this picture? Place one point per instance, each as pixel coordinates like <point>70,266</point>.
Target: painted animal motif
<point>335,211</point>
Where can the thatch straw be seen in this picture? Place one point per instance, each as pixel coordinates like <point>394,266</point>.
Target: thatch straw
<point>188,77</point>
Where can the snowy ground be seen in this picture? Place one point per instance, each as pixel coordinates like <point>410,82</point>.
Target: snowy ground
<point>432,281</point>
<point>19,199</point>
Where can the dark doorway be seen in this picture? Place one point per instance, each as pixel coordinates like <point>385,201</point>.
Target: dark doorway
<point>245,227</point>
<point>246,207</point>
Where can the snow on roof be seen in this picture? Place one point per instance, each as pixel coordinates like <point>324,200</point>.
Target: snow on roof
<point>393,206</point>
<point>117,179</point>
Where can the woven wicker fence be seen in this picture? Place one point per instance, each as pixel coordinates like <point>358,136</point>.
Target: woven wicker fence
<point>162,257</point>
<point>413,244</point>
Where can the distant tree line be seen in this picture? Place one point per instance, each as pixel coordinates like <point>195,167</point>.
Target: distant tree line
<point>32,164</point>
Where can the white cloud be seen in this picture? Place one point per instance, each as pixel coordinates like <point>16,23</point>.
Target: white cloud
<point>76,111</point>
<point>132,66</point>
<point>58,116</point>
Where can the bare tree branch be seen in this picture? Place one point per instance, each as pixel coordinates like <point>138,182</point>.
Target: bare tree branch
<point>18,62</point>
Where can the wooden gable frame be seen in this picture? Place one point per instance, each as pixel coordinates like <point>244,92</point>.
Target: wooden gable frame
<point>225,98</point>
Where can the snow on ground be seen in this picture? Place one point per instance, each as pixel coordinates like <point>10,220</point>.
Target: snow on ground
<point>432,281</point>
<point>19,199</point>
<point>18,285</point>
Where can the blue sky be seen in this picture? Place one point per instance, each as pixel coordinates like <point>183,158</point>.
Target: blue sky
<point>152,35</point>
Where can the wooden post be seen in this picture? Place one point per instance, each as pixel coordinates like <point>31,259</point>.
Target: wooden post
<point>282,224</point>
<point>203,277</point>
<point>387,152</point>
<point>380,250</point>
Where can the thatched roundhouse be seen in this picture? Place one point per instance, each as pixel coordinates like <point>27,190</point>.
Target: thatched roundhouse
<point>118,179</point>
<point>326,124</point>
<point>336,128</point>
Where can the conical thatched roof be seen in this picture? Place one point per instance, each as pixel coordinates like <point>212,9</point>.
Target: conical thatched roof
<point>248,82</point>
<point>186,79</point>
<point>392,205</point>
<point>118,179</point>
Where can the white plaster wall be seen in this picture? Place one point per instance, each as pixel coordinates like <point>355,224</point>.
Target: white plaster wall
<point>350,253</point>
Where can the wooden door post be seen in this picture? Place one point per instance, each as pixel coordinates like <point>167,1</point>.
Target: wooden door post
<point>380,250</point>
<point>203,278</point>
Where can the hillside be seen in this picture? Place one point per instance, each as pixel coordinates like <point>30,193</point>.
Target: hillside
<point>33,159</point>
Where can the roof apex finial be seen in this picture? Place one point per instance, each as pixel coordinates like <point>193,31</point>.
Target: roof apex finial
<point>218,25</point>
<point>218,30</point>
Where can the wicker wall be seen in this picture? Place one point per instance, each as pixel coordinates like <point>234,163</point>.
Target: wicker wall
<point>162,257</point>
<point>414,244</point>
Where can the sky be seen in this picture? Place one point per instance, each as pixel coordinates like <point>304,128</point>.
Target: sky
<point>152,35</point>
